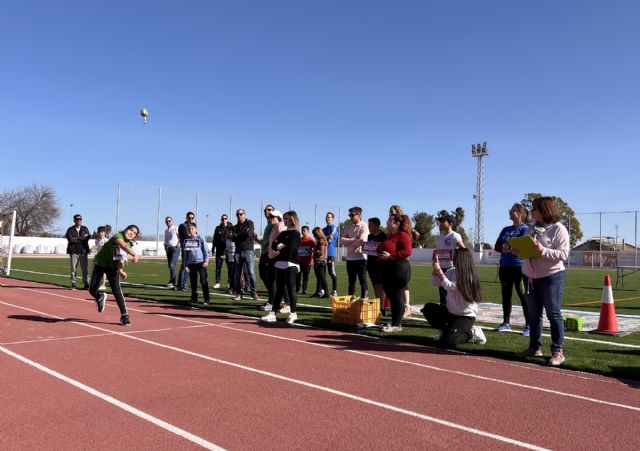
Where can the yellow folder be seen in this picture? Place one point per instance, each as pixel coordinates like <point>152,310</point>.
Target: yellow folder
<point>525,246</point>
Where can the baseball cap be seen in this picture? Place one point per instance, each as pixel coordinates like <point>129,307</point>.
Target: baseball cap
<point>276,213</point>
<point>77,217</point>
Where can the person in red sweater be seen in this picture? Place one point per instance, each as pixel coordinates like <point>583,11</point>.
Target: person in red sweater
<point>393,258</point>
<point>305,258</point>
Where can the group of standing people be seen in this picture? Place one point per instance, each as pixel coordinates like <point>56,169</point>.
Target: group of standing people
<point>288,252</point>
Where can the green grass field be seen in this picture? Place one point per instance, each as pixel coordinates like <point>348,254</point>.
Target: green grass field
<point>583,291</point>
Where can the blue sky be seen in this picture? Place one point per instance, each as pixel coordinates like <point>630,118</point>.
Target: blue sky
<point>335,103</point>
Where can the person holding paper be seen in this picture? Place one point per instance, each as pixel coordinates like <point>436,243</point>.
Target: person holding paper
<point>510,271</point>
<point>544,277</point>
<point>395,269</point>
<point>376,236</point>
<point>397,210</point>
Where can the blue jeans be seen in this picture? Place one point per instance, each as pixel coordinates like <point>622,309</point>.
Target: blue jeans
<point>245,258</point>
<point>172,260</point>
<point>545,292</point>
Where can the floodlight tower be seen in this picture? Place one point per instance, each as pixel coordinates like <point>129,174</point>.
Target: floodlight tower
<point>479,151</point>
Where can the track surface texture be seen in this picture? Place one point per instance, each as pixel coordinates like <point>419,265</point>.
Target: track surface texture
<point>72,378</point>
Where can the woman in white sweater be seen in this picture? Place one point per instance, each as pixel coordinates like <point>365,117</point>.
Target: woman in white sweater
<point>544,278</point>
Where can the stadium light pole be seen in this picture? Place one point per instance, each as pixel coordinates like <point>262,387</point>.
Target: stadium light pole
<point>479,151</point>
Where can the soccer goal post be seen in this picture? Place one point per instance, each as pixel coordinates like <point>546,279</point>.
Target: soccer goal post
<point>7,227</point>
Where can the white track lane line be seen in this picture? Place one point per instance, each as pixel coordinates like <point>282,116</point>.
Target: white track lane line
<point>429,367</point>
<point>322,388</point>
<point>533,367</point>
<point>111,400</point>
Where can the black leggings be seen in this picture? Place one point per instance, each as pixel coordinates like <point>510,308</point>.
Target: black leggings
<point>114,282</point>
<point>357,268</point>
<point>511,276</point>
<point>395,279</point>
<point>455,329</point>
<point>319,269</point>
<point>286,283</point>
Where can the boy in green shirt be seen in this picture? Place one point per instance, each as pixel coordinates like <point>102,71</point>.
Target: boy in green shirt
<point>110,261</point>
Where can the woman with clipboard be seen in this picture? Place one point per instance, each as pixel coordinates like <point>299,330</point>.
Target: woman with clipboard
<point>544,277</point>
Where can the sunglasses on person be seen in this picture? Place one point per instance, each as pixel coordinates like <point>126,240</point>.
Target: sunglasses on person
<point>240,214</point>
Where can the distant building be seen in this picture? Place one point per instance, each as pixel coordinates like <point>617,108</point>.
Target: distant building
<point>608,244</point>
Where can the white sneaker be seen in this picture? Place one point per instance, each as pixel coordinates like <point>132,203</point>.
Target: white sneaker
<point>478,335</point>
<point>285,309</point>
<point>269,318</point>
<point>266,307</point>
<point>320,293</point>
<point>101,302</point>
<point>216,286</point>
<point>389,329</point>
<point>292,318</point>
<point>334,293</point>
<point>170,286</point>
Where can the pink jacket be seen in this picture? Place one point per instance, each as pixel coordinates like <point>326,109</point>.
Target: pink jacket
<point>353,239</point>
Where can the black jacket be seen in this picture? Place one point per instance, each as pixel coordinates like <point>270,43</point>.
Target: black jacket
<point>78,241</point>
<point>242,234</point>
<point>220,235</point>
<point>291,240</point>
<point>183,233</point>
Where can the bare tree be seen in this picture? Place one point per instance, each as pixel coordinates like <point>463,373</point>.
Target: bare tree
<point>36,208</point>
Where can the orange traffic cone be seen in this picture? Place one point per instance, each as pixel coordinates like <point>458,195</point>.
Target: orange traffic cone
<point>608,323</point>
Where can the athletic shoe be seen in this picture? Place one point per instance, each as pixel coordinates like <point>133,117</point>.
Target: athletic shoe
<point>206,302</point>
<point>269,318</point>
<point>255,297</point>
<point>73,286</point>
<point>530,352</point>
<point>192,302</point>
<point>557,357</point>
<point>407,311</point>
<point>526,331</point>
<point>216,286</point>
<point>266,307</point>
<point>504,327</point>
<point>478,335</point>
<point>284,309</point>
<point>170,286</point>
<point>319,294</point>
<point>238,297</point>
<point>334,293</point>
<point>102,288</point>
<point>185,288</point>
<point>389,329</point>
<point>102,300</point>
<point>124,320</point>
<point>292,318</point>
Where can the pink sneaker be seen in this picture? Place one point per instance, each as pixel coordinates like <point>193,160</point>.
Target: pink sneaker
<point>557,357</point>
<point>530,352</point>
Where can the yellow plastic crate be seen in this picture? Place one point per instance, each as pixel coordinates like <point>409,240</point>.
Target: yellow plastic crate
<point>343,311</point>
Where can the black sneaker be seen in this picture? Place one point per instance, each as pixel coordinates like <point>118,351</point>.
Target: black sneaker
<point>124,320</point>
<point>73,286</point>
<point>102,300</point>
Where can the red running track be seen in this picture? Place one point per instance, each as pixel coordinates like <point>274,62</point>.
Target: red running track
<point>72,378</point>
